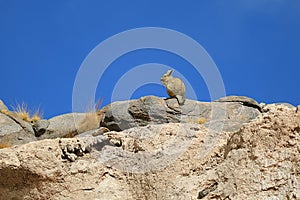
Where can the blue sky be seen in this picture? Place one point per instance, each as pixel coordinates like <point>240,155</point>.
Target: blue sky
<point>255,45</point>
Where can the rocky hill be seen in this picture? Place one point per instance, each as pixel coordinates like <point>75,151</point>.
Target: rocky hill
<point>151,148</point>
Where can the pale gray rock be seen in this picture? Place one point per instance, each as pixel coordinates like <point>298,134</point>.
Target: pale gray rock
<point>40,127</point>
<point>14,131</point>
<point>153,110</point>
<point>27,126</point>
<point>246,101</point>
<point>64,126</point>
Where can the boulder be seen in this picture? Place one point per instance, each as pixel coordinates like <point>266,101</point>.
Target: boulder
<point>14,131</point>
<point>62,126</point>
<point>217,115</point>
<point>240,99</point>
<point>67,125</point>
<point>40,127</point>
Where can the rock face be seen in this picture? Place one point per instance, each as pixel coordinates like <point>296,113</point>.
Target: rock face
<point>14,132</point>
<point>159,159</point>
<point>246,101</point>
<point>62,126</point>
<point>153,110</point>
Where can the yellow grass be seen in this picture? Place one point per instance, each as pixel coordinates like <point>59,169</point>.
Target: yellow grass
<point>5,112</point>
<point>92,118</point>
<point>23,112</point>
<point>36,117</point>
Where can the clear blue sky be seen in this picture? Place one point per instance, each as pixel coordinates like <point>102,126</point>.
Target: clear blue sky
<point>254,43</point>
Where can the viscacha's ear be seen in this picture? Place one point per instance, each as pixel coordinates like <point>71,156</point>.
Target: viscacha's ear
<point>169,73</point>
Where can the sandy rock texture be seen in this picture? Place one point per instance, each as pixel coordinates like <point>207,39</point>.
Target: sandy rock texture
<point>259,160</point>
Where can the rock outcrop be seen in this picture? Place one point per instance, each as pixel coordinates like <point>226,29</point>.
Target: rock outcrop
<point>256,156</point>
<point>220,115</point>
<point>14,131</point>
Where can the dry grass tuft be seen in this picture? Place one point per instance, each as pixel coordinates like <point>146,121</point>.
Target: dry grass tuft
<point>92,118</point>
<point>23,112</point>
<point>36,116</point>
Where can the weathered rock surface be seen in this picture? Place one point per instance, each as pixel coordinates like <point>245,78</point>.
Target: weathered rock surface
<point>14,131</point>
<point>240,99</point>
<point>62,126</point>
<point>153,110</point>
<point>94,132</point>
<point>40,127</point>
<point>67,125</point>
<point>2,106</point>
<point>163,161</point>
<point>227,115</point>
